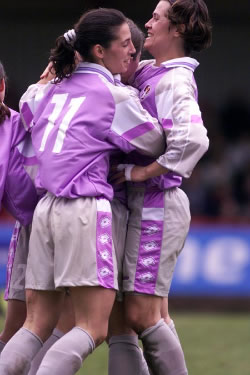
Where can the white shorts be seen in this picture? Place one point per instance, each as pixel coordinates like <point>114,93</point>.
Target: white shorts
<point>119,230</point>
<point>17,262</point>
<point>157,228</point>
<point>71,244</point>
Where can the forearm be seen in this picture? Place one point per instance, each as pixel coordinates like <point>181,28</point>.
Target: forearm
<point>154,169</point>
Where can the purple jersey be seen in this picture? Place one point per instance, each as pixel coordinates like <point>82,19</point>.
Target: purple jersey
<point>17,192</point>
<point>77,124</point>
<point>169,93</point>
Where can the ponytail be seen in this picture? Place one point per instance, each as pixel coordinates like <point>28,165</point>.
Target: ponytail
<point>63,59</point>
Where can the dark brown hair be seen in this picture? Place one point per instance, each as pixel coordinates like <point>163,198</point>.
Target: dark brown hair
<point>97,26</point>
<point>193,23</point>
<point>4,110</point>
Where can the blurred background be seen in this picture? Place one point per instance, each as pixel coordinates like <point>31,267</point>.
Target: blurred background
<point>213,271</point>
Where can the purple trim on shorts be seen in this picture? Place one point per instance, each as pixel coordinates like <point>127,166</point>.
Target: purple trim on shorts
<point>104,256</point>
<point>11,257</point>
<point>167,123</point>
<point>138,131</point>
<point>27,114</point>
<point>196,119</point>
<point>150,247</point>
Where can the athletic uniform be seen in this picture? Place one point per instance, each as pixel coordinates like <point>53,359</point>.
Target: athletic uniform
<point>73,142</point>
<point>159,211</point>
<point>19,244</point>
<point>17,192</point>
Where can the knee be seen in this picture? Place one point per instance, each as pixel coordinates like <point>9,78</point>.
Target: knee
<point>139,320</point>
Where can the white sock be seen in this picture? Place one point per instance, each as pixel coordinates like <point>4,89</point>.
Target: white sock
<point>65,357</point>
<point>163,351</point>
<point>18,353</point>
<point>56,335</point>
<point>172,327</point>
<point>2,345</point>
<point>124,355</point>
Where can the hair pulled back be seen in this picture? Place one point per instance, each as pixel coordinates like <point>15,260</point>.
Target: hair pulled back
<point>97,26</point>
<point>4,110</point>
<point>193,23</point>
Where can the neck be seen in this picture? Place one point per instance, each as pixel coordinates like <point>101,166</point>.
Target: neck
<point>175,52</point>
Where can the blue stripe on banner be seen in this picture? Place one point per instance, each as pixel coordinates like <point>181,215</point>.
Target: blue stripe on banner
<point>214,262</point>
<point>5,236</point>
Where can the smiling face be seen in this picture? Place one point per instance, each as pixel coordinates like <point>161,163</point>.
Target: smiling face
<point>116,58</point>
<point>161,39</point>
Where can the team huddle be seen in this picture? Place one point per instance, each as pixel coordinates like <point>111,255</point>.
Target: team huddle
<point>91,169</point>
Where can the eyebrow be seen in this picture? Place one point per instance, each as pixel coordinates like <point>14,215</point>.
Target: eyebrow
<point>155,14</point>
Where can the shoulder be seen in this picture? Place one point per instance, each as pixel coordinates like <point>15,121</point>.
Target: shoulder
<point>177,78</point>
<point>119,93</point>
<point>144,63</point>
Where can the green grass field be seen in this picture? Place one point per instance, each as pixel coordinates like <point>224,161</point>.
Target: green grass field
<point>214,344</point>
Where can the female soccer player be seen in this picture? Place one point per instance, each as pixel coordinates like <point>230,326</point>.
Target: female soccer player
<point>159,211</point>
<point>76,123</point>
<point>17,192</point>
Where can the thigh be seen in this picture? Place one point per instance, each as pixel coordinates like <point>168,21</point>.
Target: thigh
<point>176,226</point>
<point>157,227</point>
<point>92,306</point>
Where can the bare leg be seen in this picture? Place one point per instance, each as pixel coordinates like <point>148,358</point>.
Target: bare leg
<point>125,356</point>
<point>66,323</point>
<point>162,349</point>
<point>15,318</point>
<point>43,309</point>
<point>92,306</point>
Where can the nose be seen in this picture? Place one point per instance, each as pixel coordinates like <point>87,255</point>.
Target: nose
<point>148,24</point>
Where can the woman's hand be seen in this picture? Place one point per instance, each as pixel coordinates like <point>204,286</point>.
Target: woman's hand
<point>129,172</point>
<point>47,75</point>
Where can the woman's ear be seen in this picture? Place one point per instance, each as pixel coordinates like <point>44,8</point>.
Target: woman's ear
<point>180,30</point>
<point>98,51</point>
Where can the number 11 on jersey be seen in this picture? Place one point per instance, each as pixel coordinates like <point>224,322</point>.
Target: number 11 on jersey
<point>59,100</point>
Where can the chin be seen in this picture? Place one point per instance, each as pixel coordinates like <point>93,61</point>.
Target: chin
<point>147,46</point>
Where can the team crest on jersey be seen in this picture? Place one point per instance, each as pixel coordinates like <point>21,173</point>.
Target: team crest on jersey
<point>145,92</point>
